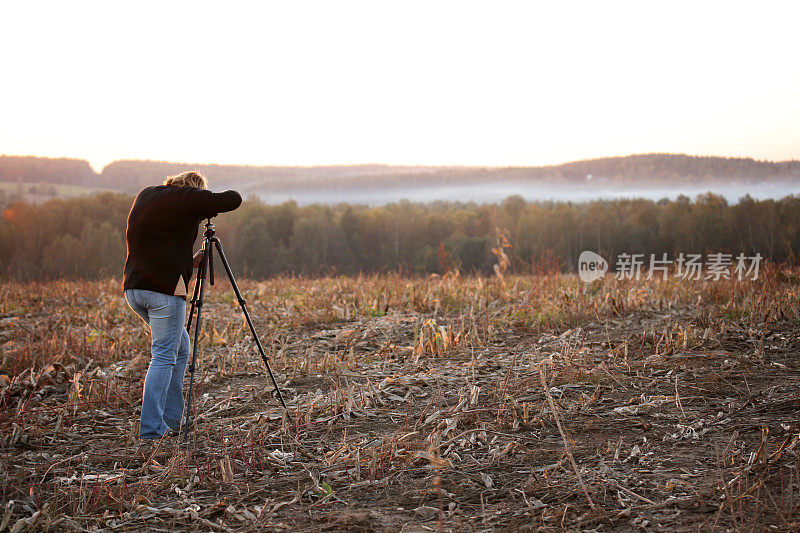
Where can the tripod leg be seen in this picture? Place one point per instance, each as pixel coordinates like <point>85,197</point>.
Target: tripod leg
<point>198,304</point>
<point>195,294</point>
<point>243,305</point>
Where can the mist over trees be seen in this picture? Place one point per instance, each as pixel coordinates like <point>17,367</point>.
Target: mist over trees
<point>84,237</point>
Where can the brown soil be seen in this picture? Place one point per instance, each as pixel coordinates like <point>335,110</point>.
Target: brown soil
<point>678,419</point>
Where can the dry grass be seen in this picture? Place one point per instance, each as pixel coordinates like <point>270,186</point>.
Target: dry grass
<point>414,404</point>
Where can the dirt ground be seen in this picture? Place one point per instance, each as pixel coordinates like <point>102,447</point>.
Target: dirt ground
<point>439,405</point>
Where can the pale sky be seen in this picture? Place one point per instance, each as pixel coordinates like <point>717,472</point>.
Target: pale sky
<point>432,82</point>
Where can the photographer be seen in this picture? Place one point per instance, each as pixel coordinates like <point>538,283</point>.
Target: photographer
<point>162,228</point>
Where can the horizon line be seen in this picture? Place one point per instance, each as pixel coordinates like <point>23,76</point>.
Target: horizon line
<point>418,165</point>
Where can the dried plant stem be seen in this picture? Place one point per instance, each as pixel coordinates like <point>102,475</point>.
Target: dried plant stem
<point>777,454</point>
<point>629,491</point>
<point>564,436</point>
<point>678,398</point>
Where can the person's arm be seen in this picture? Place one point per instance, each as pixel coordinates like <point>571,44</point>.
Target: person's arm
<point>207,204</point>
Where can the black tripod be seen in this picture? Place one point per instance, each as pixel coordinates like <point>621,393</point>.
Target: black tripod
<point>206,271</point>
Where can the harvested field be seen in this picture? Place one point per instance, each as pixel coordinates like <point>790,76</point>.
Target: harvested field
<point>439,404</point>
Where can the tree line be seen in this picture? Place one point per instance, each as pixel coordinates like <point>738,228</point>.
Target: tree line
<point>130,176</point>
<point>84,237</point>
<point>46,170</point>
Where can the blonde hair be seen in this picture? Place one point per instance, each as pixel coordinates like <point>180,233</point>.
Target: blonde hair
<point>187,179</point>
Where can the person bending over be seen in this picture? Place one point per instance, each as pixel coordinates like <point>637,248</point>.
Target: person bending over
<point>162,228</point>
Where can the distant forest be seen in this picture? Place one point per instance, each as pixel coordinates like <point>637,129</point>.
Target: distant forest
<point>84,237</point>
<point>131,176</point>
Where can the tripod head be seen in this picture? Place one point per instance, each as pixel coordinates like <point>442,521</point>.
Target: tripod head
<point>209,228</point>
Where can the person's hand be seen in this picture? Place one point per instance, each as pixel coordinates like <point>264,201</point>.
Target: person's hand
<point>197,258</point>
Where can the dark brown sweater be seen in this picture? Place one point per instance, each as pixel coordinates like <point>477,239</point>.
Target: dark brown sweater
<point>162,228</point>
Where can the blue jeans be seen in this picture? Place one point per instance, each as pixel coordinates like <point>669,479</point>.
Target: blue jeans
<point>162,399</point>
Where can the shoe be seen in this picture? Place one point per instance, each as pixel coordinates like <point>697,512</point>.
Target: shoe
<point>167,434</point>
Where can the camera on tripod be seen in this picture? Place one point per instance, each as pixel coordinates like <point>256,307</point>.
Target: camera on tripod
<point>206,272</point>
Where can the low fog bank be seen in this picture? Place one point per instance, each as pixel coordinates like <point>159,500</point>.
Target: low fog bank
<point>495,193</point>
